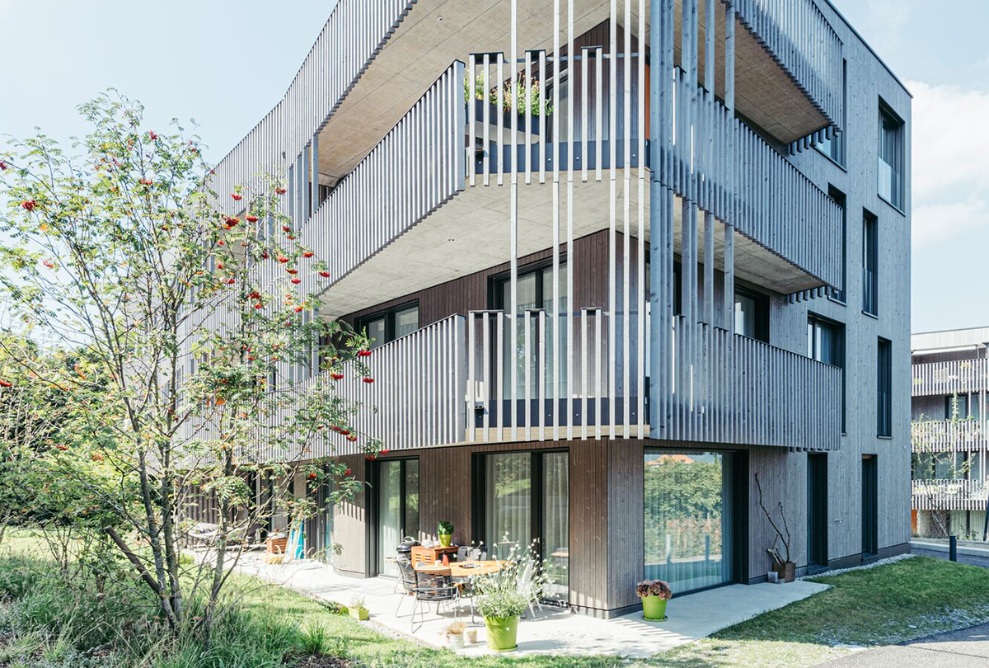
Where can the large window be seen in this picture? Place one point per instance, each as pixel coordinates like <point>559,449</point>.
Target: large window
<point>687,518</point>
<point>752,314</point>
<point>386,326</point>
<point>884,383</point>
<point>526,499</point>
<point>397,505</point>
<point>826,343</point>
<point>870,264</point>
<point>891,156</point>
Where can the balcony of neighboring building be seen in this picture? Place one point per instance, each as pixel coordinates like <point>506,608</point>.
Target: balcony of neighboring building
<point>949,494</point>
<point>958,376</point>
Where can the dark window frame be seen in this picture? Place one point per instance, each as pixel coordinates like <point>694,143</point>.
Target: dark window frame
<point>496,282</point>
<point>373,476</point>
<point>841,200</point>
<point>884,388</point>
<point>840,342</point>
<point>870,506</point>
<point>761,300</point>
<point>388,314</point>
<point>891,143</point>
<point>870,263</point>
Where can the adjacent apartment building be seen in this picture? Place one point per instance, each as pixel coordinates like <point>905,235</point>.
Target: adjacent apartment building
<point>950,381</point>
<point>619,258</point>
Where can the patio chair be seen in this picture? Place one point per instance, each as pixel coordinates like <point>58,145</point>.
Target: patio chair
<point>407,578</point>
<point>433,588</point>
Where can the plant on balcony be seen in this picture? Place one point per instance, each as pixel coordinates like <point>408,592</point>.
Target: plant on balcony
<point>514,95</point>
<point>783,564</point>
<point>445,531</point>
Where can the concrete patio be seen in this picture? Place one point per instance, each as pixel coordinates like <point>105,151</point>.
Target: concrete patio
<point>552,631</point>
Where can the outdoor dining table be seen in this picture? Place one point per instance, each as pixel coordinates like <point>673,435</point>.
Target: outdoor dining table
<point>466,569</point>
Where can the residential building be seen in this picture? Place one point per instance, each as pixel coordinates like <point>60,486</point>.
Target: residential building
<point>661,249</point>
<point>950,381</point>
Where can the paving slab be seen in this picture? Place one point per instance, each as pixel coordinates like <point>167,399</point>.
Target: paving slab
<point>552,630</point>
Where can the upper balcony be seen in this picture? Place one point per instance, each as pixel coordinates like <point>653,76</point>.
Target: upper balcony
<point>949,494</point>
<point>491,378</point>
<point>954,377</point>
<point>947,435</point>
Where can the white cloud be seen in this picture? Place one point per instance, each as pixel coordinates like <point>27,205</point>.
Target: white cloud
<point>950,161</point>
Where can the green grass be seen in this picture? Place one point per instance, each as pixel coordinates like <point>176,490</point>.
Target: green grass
<point>45,623</point>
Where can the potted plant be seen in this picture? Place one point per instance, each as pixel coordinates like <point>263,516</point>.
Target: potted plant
<point>445,530</point>
<point>357,609</point>
<point>505,594</point>
<point>455,635</point>
<point>501,610</point>
<point>654,594</point>
<point>783,564</point>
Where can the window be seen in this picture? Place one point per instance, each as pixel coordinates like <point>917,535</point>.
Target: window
<point>884,394</point>
<point>386,326</point>
<point>535,289</point>
<point>688,511</point>
<point>870,506</point>
<point>752,314</point>
<point>968,407</point>
<point>834,148</point>
<point>870,264</point>
<point>396,509</point>
<point>891,156</point>
<point>839,199</point>
<point>826,343</point>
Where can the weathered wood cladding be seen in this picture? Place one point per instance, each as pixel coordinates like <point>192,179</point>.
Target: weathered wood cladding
<point>354,33</point>
<point>351,521</point>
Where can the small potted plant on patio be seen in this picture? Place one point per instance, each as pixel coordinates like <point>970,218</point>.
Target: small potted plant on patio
<point>506,593</point>
<point>654,594</point>
<point>357,609</point>
<point>445,531</point>
<point>455,635</point>
<point>782,563</point>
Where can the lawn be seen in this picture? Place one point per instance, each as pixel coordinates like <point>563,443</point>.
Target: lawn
<point>271,626</point>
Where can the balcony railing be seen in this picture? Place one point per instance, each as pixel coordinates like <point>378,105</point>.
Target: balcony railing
<point>416,399</point>
<point>732,389</point>
<point>804,43</point>
<point>715,160</point>
<point>949,494</point>
<point>946,378</point>
<point>946,435</point>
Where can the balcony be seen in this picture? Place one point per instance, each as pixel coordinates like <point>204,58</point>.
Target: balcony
<point>949,494</point>
<point>944,378</point>
<point>947,435</point>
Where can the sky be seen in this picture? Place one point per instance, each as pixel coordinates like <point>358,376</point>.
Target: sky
<point>175,58</point>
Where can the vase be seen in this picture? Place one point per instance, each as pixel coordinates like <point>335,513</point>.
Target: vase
<point>456,641</point>
<point>502,633</point>
<point>653,608</point>
<point>446,539</point>
<point>787,571</point>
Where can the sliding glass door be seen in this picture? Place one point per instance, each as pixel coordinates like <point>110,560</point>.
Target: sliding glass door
<point>687,527</point>
<point>397,509</point>
<point>526,499</point>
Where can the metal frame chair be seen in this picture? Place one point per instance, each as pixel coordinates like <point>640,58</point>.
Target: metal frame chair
<point>433,588</point>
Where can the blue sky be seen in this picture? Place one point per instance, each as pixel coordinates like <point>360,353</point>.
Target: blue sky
<point>175,57</point>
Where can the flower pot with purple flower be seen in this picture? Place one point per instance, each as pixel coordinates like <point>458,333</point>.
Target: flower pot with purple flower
<point>654,595</point>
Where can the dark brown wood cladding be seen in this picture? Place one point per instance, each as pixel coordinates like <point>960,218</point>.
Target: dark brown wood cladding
<point>350,523</point>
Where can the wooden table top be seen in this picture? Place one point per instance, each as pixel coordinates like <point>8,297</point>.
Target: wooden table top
<point>458,570</point>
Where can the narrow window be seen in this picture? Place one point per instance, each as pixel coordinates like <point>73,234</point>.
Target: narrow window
<point>839,199</point>
<point>826,343</point>
<point>891,156</point>
<point>834,148</point>
<point>870,506</point>
<point>870,264</point>
<point>884,394</point>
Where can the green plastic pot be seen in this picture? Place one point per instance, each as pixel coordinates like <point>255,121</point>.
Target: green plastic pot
<point>446,539</point>
<point>502,633</point>
<point>654,608</point>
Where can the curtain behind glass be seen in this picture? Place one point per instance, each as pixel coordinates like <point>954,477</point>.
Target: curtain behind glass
<point>389,515</point>
<point>556,524</point>
<point>508,506</point>
<point>411,525</point>
<point>686,540</point>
